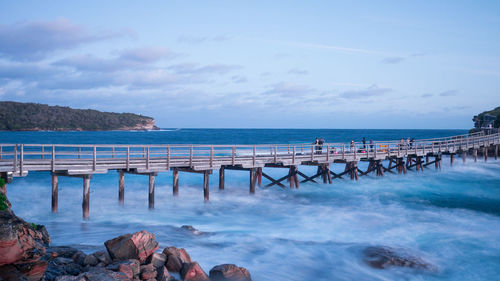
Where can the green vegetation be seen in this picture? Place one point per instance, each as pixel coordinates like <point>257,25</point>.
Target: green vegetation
<point>15,116</point>
<point>3,202</point>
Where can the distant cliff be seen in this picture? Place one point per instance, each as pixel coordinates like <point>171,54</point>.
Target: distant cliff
<point>487,119</point>
<point>16,116</point>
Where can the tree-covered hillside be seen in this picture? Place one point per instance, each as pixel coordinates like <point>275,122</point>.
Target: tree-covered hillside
<point>480,120</point>
<point>15,116</point>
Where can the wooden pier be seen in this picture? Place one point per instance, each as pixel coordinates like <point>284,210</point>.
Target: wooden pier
<point>17,160</point>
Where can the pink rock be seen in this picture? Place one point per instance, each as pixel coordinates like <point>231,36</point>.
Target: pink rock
<point>175,258</point>
<point>139,246</point>
<point>193,272</point>
<point>148,272</point>
<point>20,242</point>
<point>229,272</point>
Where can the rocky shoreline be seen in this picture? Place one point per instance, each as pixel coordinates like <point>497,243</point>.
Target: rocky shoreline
<point>26,254</point>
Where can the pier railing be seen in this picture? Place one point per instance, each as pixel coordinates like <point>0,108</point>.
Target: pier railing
<point>84,158</point>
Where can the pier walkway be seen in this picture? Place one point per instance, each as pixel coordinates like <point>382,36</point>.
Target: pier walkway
<point>17,160</point>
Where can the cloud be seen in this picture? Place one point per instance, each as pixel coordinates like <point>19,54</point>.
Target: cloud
<point>448,93</point>
<point>35,40</point>
<point>392,60</point>
<point>193,68</point>
<point>239,79</point>
<point>364,93</point>
<point>297,71</point>
<point>427,95</point>
<point>201,39</point>
<point>288,89</point>
<point>130,58</point>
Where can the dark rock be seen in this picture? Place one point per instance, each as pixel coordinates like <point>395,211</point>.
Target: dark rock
<point>381,257</point>
<point>33,271</point>
<point>157,260</point>
<point>148,271</point>
<point>20,242</point>
<point>61,266</point>
<point>79,257</point>
<point>193,272</point>
<point>103,257</point>
<point>91,260</point>
<point>96,274</point>
<point>163,274</point>
<point>62,251</point>
<point>139,245</point>
<point>130,268</point>
<point>229,272</point>
<point>175,258</point>
<point>191,229</point>
<point>10,272</point>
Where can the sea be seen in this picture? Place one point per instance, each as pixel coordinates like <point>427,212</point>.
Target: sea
<point>449,218</point>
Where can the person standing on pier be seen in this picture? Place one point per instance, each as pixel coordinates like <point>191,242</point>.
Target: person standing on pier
<point>364,143</point>
<point>371,145</point>
<point>320,143</point>
<point>401,144</point>
<point>352,146</point>
<point>316,146</point>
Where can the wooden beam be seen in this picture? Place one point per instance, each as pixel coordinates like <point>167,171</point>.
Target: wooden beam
<point>55,188</point>
<point>273,181</point>
<point>86,197</point>
<point>121,187</point>
<point>252,181</point>
<point>221,178</point>
<point>206,190</point>
<point>151,197</point>
<point>175,185</point>
<point>259,175</point>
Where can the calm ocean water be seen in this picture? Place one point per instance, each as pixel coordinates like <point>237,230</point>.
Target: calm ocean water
<point>451,218</point>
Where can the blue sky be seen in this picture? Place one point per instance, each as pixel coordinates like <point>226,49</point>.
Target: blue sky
<point>257,64</point>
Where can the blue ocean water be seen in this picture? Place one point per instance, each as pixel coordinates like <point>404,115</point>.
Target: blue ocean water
<point>450,218</point>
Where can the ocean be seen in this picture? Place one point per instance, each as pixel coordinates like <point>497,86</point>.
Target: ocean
<point>449,218</point>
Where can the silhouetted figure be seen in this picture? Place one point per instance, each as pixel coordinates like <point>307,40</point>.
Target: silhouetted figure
<point>371,145</point>
<point>364,142</point>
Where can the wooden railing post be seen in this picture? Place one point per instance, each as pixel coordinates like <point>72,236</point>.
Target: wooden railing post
<point>79,152</point>
<point>53,162</point>
<point>191,156</point>
<point>327,153</point>
<point>168,157</point>
<point>293,156</point>
<point>21,160</point>
<point>15,159</point>
<point>253,158</point>
<point>312,153</point>
<point>128,158</point>
<point>42,152</point>
<point>233,155</point>
<point>147,158</point>
<point>211,156</point>
<point>94,162</point>
<point>343,151</point>
<point>275,154</point>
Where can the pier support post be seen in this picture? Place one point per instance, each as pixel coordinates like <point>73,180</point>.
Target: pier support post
<point>55,191</point>
<point>475,155</point>
<point>496,152</point>
<point>86,196</point>
<point>328,174</point>
<point>175,185</point>
<point>252,181</point>
<point>259,176</point>
<point>121,187</point>
<point>151,197</point>
<point>294,177</point>
<point>206,190</point>
<point>464,156</point>
<point>452,157</point>
<point>221,178</point>
<point>485,153</point>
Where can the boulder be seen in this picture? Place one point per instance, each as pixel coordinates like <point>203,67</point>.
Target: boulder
<point>90,260</point>
<point>163,274</point>
<point>62,251</point>
<point>10,272</point>
<point>139,246</point>
<point>191,229</point>
<point>79,257</point>
<point>131,268</point>
<point>157,260</point>
<point>229,272</point>
<point>382,257</point>
<point>175,258</point>
<point>33,271</point>
<point>96,274</point>
<point>103,257</point>
<point>61,266</point>
<point>148,271</point>
<point>193,272</point>
<point>21,242</point>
